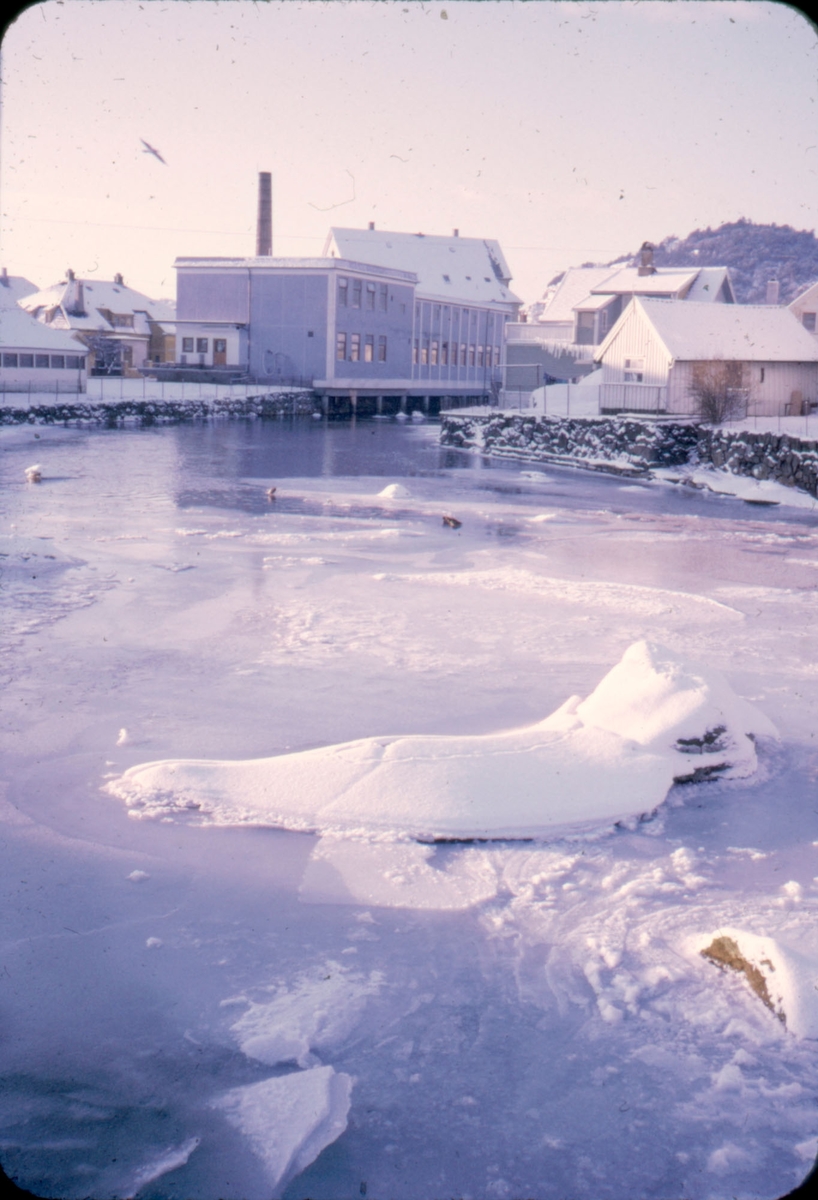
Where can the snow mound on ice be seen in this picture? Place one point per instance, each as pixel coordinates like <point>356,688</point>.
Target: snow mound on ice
<point>652,721</point>
<point>395,491</point>
<point>315,1014</point>
<point>784,980</point>
<point>290,1120</point>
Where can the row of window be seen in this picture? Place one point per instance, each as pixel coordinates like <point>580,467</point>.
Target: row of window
<point>434,353</point>
<point>219,345</point>
<point>58,361</point>
<point>437,313</point>
<point>348,348</point>
<point>359,295</point>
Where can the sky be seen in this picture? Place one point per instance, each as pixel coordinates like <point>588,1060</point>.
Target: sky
<point>569,131</point>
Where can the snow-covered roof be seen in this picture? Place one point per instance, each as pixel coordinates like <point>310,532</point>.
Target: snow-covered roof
<point>19,331</point>
<point>808,296</point>
<point>594,302</point>
<point>470,270</point>
<point>693,331</point>
<point>708,284</point>
<point>628,281</point>
<point>573,288</point>
<point>13,288</point>
<point>110,296</point>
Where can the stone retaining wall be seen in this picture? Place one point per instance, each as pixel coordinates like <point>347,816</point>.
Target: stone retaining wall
<point>627,445</point>
<point>112,412</point>
<point>781,457</point>
<point>632,445</point>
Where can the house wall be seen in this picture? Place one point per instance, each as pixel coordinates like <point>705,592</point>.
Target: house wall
<point>288,325</point>
<point>476,331</point>
<point>212,295</point>
<point>194,332</point>
<point>14,377</point>
<point>780,392</point>
<point>635,340</point>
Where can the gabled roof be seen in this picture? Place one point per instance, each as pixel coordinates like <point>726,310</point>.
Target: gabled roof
<point>13,288</point>
<point>574,287</point>
<point>809,295</point>
<point>698,332</point>
<point>708,285</point>
<point>19,331</point>
<point>97,294</point>
<point>469,270</point>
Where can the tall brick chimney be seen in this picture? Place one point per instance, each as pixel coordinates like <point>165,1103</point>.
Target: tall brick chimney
<point>264,225</point>
<point>646,266</point>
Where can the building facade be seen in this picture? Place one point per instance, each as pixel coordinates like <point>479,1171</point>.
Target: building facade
<point>358,326</point>
<point>34,358</point>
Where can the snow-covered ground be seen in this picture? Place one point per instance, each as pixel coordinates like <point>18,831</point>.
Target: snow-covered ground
<point>206,1002</point>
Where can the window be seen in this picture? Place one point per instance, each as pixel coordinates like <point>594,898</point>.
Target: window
<point>187,345</point>
<point>355,347</point>
<point>496,356</point>
<point>357,288</point>
<point>58,360</point>
<point>382,297</point>
<point>369,343</point>
<point>472,349</point>
<point>808,321</point>
<point>437,312</point>
<point>479,356</point>
<point>424,353</point>
<point>435,351</point>
<point>121,320</point>
<point>40,360</point>
<point>9,360</point>
<point>219,345</point>
<point>74,360</point>
<point>462,354</point>
<point>340,347</point>
<point>26,360</point>
<point>444,354</point>
<point>343,290</point>
<point>201,345</point>
<point>381,349</point>
<point>761,375</point>
<point>634,369</point>
<point>446,279</point>
<point>370,295</point>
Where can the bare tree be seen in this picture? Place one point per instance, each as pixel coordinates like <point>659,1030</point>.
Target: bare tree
<point>719,389</point>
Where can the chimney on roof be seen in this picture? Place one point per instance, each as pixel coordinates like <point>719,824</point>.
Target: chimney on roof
<point>772,292</point>
<point>118,279</point>
<point>455,233</point>
<point>371,225</point>
<point>4,278</point>
<point>646,266</point>
<point>264,224</point>
<point>73,299</point>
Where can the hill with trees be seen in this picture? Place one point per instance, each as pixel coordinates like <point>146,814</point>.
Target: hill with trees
<point>754,254</point>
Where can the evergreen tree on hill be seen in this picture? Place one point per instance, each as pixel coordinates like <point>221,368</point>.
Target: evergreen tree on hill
<point>755,254</point>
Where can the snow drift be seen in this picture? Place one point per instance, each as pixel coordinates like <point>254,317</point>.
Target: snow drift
<point>652,721</point>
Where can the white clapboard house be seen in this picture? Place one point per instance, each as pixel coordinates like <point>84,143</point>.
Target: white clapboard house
<point>658,349</point>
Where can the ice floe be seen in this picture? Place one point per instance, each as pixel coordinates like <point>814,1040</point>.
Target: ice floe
<point>315,1013</point>
<point>652,721</point>
<point>290,1119</point>
<point>395,491</point>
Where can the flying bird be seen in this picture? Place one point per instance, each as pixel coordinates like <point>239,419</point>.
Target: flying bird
<point>149,149</point>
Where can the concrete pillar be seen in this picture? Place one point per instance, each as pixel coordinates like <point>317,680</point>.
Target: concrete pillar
<point>325,405</point>
<point>403,401</point>
<point>353,403</point>
<point>379,405</point>
<point>426,404</point>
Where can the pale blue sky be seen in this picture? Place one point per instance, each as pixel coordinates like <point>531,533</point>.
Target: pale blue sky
<point>569,131</point>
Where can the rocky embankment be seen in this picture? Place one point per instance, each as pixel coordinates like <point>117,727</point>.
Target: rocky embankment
<point>631,445</point>
<point>114,412</point>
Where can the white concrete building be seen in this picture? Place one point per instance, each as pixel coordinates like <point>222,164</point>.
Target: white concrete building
<point>34,358</point>
<point>653,356</point>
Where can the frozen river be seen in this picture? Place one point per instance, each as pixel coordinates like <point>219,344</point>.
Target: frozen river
<point>203,1007</point>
